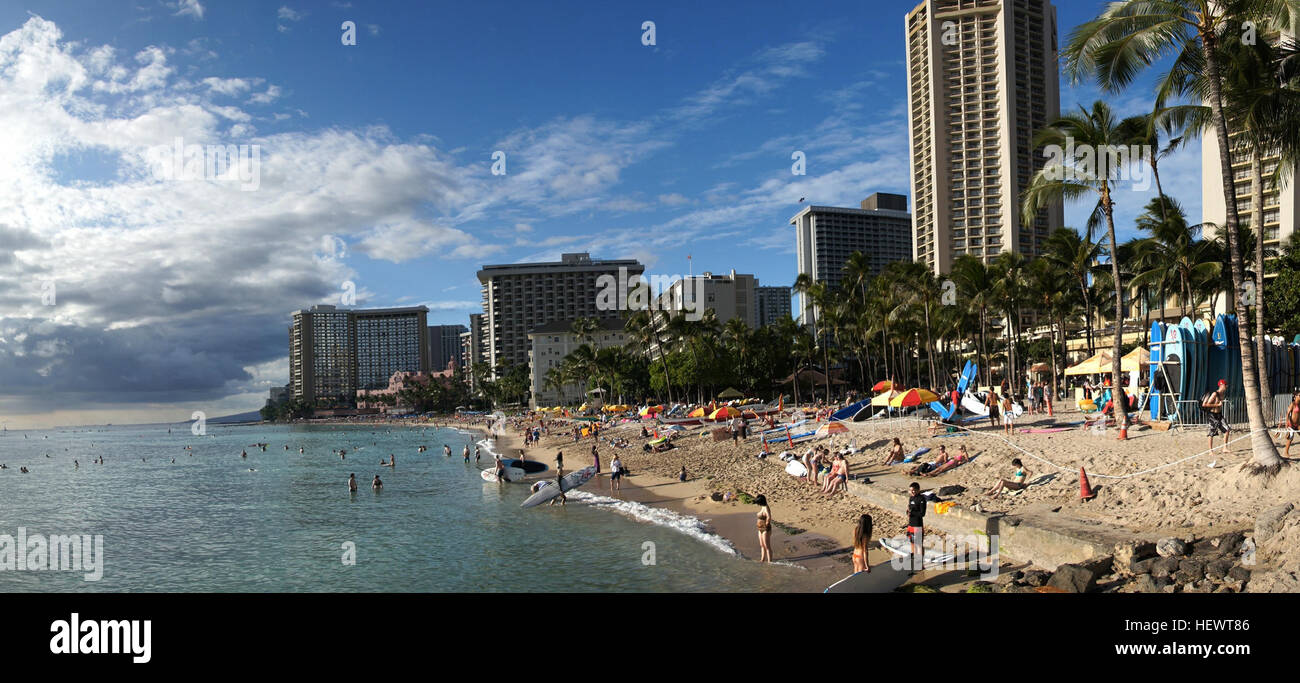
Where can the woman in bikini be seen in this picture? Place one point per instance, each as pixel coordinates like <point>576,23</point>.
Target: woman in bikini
<point>839,472</point>
<point>861,538</point>
<point>764,528</point>
<point>1017,480</point>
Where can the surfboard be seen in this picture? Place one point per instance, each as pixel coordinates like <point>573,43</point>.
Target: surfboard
<point>1190,383</point>
<point>1217,368</point>
<point>528,466</point>
<point>1156,349</point>
<point>1202,356</point>
<point>796,469</point>
<point>968,373</point>
<point>512,474</point>
<point>569,482</point>
<point>973,405</point>
<point>1174,354</point>
<point>848,412</point>
<point>899,545</point>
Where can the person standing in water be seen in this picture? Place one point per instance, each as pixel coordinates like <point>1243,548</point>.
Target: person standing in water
<point>352,482</point>
<point>764,528</point>
<point>615,474</point>
<point>446,450</point>
<point>466,453</point>
<point>477,455</point>
<point>376,484</point>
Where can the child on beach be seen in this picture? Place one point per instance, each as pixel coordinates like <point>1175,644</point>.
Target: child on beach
<point>681,476</point>
<point>1008,417</point>
<point>1017,480</point>
<point>861,538</point>
<point>764,528</point>
<point>1291,421</point>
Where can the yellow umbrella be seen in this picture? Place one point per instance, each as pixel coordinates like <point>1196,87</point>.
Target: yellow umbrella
<point>913,397</point>
<point>882,400</point>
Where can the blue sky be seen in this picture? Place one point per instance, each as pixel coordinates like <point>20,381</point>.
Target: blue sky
<point>376,167</point>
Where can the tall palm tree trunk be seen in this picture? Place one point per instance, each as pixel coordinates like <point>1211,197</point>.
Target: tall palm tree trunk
<point>1120,407</point>
<point>1266,455</point>
<point>1257,206</point>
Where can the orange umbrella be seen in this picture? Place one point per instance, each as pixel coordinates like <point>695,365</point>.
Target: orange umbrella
<point>883,385</point>
<point>832,428</point>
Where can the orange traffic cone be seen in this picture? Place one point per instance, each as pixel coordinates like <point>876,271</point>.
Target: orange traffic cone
<point>1049,407</point>
<point>1085,491</point>
<point>765,445</point>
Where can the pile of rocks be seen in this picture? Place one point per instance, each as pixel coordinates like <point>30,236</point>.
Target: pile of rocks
<point>1170,565</point>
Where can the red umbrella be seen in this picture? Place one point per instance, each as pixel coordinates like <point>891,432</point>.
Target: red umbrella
<point>883,385</point>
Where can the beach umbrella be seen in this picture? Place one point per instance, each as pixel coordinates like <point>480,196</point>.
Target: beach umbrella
<point>724,413</point>
<point>882,400</point>
<point>883,385</point>
<point>913,397</point>
<point>698,412</point>
<point>832,428</point>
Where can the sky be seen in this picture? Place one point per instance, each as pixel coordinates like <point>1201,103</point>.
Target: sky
<point>136,286</point>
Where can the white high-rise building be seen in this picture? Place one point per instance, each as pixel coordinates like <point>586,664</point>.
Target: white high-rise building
<point>982,78</point>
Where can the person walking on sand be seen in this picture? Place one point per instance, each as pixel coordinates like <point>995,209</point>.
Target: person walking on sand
<point>861,539</point>
<point>1291,421</point>
<point>765,522</point>
<point>916,524</point>
<point>992,402</point>
<point>1212,403</point>
<point>1008,416</point>
<point>595,456</point>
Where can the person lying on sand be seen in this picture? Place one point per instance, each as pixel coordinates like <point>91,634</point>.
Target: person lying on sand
<point>961,457</point>
<point>925,467</point>
<point>1017,480</point>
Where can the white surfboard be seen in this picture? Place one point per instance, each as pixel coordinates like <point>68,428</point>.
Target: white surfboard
<point>512,474</point>
<point>973,405</point>
<point>570,481</point>
<point>899,545</point>
<point>796,469</point>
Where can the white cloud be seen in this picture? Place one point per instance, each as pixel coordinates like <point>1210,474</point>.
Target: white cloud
<point>290,15</point>
<point>188,8</point>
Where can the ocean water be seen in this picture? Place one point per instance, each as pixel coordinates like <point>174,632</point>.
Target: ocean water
<point>206,523</point>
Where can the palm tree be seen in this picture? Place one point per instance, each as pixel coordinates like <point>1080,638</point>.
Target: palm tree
<point>1129,36</point>
<point>975,285</point>
<point>1077,258</point>
<point>1075,178</point>
<point>643,336</point>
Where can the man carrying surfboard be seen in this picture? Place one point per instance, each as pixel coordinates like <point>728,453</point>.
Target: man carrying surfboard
<point>1212,403</point>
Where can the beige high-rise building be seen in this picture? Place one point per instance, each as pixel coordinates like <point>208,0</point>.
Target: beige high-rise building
<point>982,78</point>
<point>1279,203</point>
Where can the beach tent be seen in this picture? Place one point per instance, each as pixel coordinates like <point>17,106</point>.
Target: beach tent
<point>913,397</point>
<point>729,394</point>
<point>1101,363</point>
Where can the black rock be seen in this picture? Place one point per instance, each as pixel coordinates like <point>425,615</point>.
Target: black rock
<point>1239,574</point>
<point>1073,578</point>
<point>1164,566</point>
<point>1036,577</point>
<point>1193,567</point>
<point>1218,569</point>
<point>1142,566</point>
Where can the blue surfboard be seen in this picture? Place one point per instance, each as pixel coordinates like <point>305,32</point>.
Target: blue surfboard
<point>1173,354</point>
<point>1156,348</point>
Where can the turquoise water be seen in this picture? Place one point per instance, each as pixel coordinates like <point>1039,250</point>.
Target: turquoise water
<point>207,524</point>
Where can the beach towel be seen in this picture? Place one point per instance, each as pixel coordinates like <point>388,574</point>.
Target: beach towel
<point>946,436</point>
<point>916,454</point>
<point>942,508</point>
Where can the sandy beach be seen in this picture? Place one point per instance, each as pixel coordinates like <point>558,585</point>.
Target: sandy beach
<point>1154,484</point>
